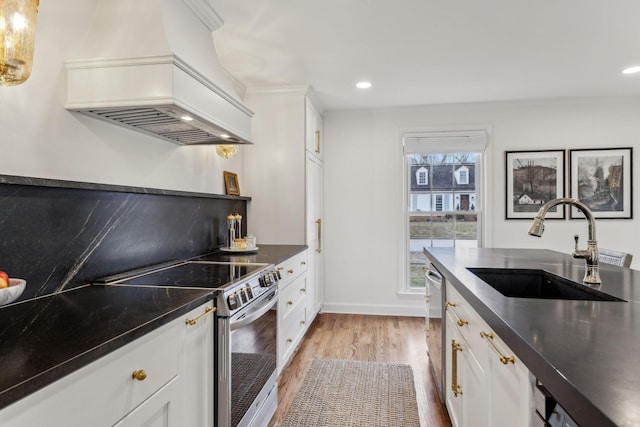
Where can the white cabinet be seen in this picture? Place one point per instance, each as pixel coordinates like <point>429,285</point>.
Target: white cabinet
<point>283,174</point>
<point>314,132</point>
<point>292,306</point>
<point>486,384</point>
<point>140,384</point>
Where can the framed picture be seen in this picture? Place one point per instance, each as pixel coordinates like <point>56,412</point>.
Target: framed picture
<point>532,179</point>
<point>602,180</point>
<point>231,184</point>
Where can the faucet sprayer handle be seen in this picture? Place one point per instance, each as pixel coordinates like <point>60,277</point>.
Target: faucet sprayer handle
<point>576,237</point>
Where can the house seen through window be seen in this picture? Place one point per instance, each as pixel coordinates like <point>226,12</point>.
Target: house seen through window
<point>443,207</point>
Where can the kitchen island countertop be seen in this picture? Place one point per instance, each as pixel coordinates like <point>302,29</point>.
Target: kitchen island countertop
<point>46,338</point>
<point>585,352</point>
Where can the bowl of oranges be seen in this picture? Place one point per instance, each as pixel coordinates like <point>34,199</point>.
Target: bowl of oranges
<point>10,289</point>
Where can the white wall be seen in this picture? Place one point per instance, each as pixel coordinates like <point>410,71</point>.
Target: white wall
<point>364,182</point>
<point>39,138</point>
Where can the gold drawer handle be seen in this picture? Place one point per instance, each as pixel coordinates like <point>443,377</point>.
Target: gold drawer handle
<point>459,321</point>
<point>455,348</point>
<point>303,262</point>
<point>280,268</point>
<point>303,290</point>
<point>207,310</point>
<point>289,340</point>
<point>290,271</point>
<point>139,375</point>
<point>504,359</point>
<point>302,322</point>
<point>289,302</point>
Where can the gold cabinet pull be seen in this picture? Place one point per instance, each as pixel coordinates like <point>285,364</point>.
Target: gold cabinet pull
<point>319,226</point>
<point>289,302</point>
<point>303,290</point>
<point>303,262</point>
<point>318,141</point>
<point>290,271</point>
<point>459,321</point>
<point>455,348</point>
<point>489,339</point>
<point>207,310</point>
<point>280,268</point>
<point>289,340</point>
<point>139,375</point>
<point>302,322</point>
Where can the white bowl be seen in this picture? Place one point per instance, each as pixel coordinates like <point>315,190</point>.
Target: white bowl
<point>15,289</point>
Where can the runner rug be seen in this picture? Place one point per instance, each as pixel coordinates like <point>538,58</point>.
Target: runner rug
<point>346,393</point>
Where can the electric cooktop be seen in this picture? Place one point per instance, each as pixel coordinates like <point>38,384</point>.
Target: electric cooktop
<point>193,274</point>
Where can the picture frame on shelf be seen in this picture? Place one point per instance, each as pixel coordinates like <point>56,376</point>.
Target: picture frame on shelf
<point>532,179</point>
<point>231,184</point>
<point>602,179</point>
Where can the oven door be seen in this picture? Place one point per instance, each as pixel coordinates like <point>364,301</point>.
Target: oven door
<point>247,392</point>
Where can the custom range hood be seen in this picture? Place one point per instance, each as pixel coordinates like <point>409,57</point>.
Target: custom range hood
<point>151,65</point>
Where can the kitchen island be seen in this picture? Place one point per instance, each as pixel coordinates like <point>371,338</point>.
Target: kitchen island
<point>584,352</point>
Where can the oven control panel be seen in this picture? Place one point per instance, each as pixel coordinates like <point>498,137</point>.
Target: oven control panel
<point>243,294</point>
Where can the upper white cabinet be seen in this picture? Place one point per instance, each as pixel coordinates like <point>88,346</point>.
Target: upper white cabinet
<point>313,130</point>
<point>283,174</point>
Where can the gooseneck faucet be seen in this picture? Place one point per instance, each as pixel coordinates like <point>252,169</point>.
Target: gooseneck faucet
<point>590,254</point>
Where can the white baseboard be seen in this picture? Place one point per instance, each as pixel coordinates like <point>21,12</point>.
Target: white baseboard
<point>373,309</point>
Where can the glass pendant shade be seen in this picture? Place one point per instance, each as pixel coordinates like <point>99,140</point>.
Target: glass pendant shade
<point>226,151</point>
<point>17,37</point>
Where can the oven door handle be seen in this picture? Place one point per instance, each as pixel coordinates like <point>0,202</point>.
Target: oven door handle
<point>255,312</point>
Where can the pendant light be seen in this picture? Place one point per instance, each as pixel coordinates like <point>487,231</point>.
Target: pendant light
<point>17,36</point>
<point>226,151</point>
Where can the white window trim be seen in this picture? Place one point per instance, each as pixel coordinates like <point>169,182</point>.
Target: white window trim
<point>484,212</point>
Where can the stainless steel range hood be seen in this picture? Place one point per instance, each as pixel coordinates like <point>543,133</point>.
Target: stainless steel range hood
<point>151,65</point>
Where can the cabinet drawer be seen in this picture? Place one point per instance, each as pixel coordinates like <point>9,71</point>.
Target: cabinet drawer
<point>292,295</point>
<point>291,331</point>
<point>467,321</point>
<point>292,268</point>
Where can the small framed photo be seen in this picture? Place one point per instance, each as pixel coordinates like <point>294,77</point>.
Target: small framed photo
<point>602,180</point>
<point>532,179</point>
<point>231,184</point>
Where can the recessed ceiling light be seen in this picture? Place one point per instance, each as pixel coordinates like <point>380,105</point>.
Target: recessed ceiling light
<point>186,118</point>
<point>631,70</point>
<point>224,136</point>
<point>363,85</point>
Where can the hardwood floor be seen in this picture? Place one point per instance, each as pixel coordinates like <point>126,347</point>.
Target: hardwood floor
<point>368,338</point>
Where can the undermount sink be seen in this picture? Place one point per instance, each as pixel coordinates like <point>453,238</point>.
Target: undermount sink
<point>531,283</point>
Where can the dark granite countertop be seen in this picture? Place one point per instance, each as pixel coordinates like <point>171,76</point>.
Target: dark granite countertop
<point>270,254</point>
<point>585,352</point>
<point>46,338</point>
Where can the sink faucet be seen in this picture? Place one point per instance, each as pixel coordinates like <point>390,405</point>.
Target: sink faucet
<point>590,254</point>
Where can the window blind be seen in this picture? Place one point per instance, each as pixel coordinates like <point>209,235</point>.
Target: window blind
<point>445,142</point>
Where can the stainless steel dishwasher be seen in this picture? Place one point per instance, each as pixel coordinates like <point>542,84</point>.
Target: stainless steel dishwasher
<point>435,289</point>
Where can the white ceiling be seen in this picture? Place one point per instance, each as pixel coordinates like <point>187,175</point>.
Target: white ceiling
<point>432,51</point>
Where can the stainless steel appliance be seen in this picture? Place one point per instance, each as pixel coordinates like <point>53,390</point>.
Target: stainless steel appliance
<point>246,302</point>
<point>435,297</point>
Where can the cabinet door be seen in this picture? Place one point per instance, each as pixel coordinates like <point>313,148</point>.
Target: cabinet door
<point>511,388</point>
<point>159,410</point>
<point>313,130</point>
<point>196,367</point>
<point>454,390</point>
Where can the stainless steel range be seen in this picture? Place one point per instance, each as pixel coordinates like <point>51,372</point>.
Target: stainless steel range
<point>246,302</point>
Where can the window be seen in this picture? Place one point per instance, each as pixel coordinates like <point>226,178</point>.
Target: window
<point>446,212</point>
<point>421,176</point>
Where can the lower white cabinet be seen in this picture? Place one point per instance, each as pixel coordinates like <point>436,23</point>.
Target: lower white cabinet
<point>293,306</point>
<point>486,384</point>
<point>148,382</point>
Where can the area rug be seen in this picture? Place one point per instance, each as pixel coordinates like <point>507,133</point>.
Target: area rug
<point>346,393</point>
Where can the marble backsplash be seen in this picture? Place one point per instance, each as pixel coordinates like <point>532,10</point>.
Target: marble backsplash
<point>61,234</point>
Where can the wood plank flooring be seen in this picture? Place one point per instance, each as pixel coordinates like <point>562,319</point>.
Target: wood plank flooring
<point>390,339</point>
